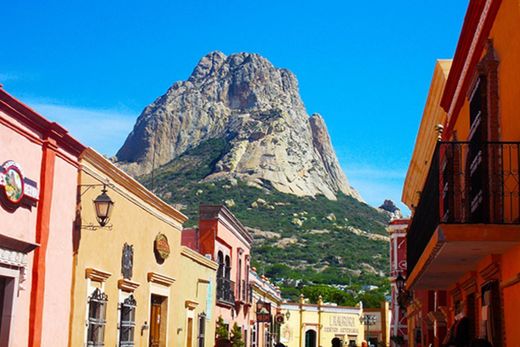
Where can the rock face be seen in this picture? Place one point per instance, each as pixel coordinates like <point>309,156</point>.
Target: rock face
<point>389,208</point>
<point>243,98</point>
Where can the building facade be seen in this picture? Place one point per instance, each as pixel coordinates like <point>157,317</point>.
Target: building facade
<point>134,283</point>
<point>38,181</point>
<point>398,325</point>
<point>313,325</point>
<point>266,316</point>
<point>221,237</point>
<point>464,239</point>
<point>377,331</point>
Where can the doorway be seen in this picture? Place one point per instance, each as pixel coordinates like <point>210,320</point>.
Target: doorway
<point>336,342</point>
<point>7,298</point>
<point>310,338</point>
<point>158,320</point>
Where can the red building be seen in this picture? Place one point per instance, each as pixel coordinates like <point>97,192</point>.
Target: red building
<point>397,231</point>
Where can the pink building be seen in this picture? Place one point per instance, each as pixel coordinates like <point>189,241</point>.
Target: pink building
<point>397,231</point>
<point>38,189</point>
<point>222,237</point>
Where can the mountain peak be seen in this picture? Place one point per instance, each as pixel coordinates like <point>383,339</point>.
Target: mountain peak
<point>257,108</point>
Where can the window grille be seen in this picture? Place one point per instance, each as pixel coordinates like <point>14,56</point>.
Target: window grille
<point>127,322</point>
<point>97,307</point>
<point>202,329</point>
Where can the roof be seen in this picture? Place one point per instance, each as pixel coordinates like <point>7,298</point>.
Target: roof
<point>221,212</point>
<point>427,136</point>
<point>26,115</point>
<point>478,22</point>
<point>125,180</point>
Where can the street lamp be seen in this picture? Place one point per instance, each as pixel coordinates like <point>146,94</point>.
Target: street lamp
<point>368,320</point>
<point>399,283</point>
<point>103,205</point>
<point>403,295</point>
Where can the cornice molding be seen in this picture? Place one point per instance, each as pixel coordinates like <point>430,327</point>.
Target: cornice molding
<point>127,285</point>
<point>132,197</point>
<point>511,281</point>
<point>490,272</point>
<point>191,304</point>
<point>198,258</point>
<point>164,280</point>
<point>97,275</point>
<point>119,177</point>
<point>47,129</point>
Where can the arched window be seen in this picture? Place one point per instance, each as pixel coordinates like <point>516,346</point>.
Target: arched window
<point>310,338</point>
<point>220,273</point>
<point>228,267</point>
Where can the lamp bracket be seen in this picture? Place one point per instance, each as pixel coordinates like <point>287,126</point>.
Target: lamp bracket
<point>88,186</point>
<point>93,227</point>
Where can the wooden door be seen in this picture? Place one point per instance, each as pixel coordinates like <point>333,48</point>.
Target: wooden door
<point>155,322</point>
<point>189,333</point>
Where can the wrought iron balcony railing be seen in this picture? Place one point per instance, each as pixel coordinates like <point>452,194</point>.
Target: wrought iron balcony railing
<point>468,182</point>
<point>225,290</point>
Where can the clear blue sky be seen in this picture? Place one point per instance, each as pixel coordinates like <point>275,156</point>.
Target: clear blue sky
<point>364,65</point>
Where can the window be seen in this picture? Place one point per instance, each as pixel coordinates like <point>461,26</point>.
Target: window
<point>97,308</point>
<point>253,336</point>
<point>202,329</point>
<point>127,322</point>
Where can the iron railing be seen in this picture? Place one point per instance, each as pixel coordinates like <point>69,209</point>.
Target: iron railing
<point>468,182</point>
<point>225,290</point>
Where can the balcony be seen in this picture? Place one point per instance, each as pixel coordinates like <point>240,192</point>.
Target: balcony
<point>470,197</point>
<point>225,291</point>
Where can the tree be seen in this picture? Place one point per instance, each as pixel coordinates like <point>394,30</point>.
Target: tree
<point>221,330</point>
<point>236,336</point>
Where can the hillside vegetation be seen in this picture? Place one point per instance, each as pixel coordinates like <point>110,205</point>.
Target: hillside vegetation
<point>299,241</point>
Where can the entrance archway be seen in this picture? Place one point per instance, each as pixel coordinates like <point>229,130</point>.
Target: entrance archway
<point>310,338</point>
<point>336,342</point>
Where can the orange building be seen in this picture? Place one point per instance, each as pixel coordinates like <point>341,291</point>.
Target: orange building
<point>463,188</point>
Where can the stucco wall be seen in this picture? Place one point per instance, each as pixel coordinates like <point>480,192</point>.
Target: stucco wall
<point>136,223</point>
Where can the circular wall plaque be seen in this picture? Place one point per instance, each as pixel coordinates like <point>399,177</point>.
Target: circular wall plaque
<point>161,246</point>
<point>14,185</point>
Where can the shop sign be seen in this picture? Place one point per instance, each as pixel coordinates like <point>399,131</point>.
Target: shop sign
<point>161,246</point>
<point>17,188</point>
<point>342,324</point>
<point>263,312</point>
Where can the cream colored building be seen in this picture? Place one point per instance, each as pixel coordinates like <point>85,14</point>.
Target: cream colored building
<point>310,325</point>
<point>323,325</point>
<point>134,284</point>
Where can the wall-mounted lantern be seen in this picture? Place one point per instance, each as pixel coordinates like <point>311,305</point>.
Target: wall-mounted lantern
<point>287,314</point>
<point>103,205</point>
<point>403,296</point>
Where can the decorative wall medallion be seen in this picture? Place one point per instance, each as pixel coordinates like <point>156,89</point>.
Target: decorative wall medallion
<point>161,247</point>
<point>16,187</point>
<point>127,261</point>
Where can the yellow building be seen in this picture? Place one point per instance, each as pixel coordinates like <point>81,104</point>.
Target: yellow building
<point>265,328</point>
<point>134,284</point>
